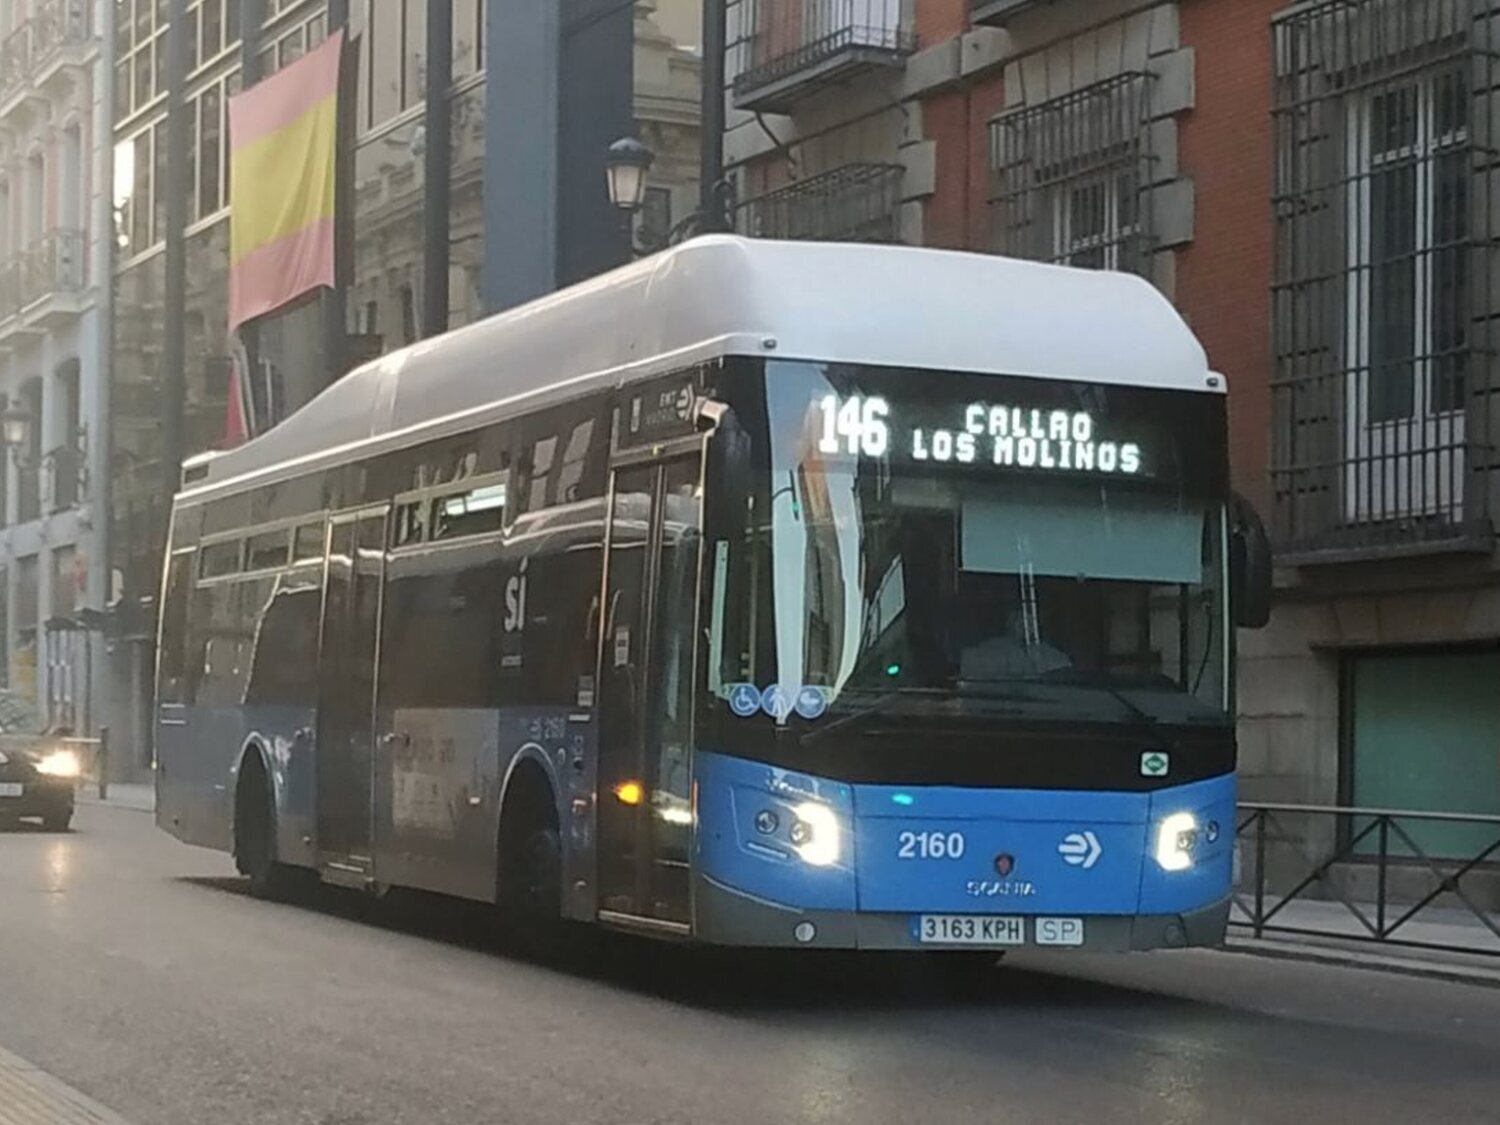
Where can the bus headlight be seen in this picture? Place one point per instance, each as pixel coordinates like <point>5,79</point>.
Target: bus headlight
<point>1176,837</point>
<point>60,763</point>
<point>815,834</point>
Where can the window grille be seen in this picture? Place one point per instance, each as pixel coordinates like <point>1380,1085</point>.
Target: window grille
<point>853,203</point>
<point>1383,310</point>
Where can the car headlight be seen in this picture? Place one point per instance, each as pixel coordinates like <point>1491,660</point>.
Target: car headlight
<point>1176,837</point>
<point>815,834</point>
<point>60,763</point>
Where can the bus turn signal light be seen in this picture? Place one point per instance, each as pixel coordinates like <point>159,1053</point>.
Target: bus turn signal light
<point>630,792</point>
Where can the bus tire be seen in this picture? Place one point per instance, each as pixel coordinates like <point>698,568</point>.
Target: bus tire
<point>529,891</point>
<point>255,833</point>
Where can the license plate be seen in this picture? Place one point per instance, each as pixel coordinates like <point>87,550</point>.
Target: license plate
<point>970,929</point>
<point>1059,931</point>
<point>11,789</point>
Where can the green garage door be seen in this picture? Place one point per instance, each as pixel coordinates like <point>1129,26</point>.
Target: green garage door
<point>1426,736</point>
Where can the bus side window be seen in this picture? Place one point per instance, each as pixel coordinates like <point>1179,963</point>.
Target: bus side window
<point>174,628</point>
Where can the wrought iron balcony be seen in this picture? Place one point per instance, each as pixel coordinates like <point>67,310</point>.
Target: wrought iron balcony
<point>42,41</point>
<point>855,203</point>
<point>791,48</point>
<point>15,61</point>
<point>998,12</point>
<point>56,26</point>
<point>54,266</point>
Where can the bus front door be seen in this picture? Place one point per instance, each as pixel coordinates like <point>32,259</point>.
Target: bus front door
<point>645,729</point>
<point>347,657</point>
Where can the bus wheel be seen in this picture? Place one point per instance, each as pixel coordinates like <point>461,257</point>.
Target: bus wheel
<point>255,834</point>
<point>530,877</point>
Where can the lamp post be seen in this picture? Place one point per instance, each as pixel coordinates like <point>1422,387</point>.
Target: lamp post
<point>626,163</point>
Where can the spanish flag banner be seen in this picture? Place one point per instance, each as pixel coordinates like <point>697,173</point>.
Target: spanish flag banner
<point>283,137</point>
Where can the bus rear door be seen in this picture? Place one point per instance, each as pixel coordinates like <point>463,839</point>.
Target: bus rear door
<point>347,655</point>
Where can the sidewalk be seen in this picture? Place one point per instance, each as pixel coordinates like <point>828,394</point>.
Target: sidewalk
<point>122,795</point>
<point>1334,939</point>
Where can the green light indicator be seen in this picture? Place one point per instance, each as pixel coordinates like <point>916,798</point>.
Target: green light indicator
<point>893,670</point>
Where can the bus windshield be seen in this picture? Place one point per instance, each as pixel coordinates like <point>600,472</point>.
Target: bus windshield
<point>867,578</point>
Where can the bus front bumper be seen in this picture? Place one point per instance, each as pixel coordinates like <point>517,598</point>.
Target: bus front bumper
<point>725,916</point>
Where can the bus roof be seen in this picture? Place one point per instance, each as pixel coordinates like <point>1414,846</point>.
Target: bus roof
<point>721,295</point>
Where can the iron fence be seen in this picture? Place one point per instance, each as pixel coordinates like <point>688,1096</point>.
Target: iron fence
<point>1292,856</point>
<point>1384,304</point>
<point>853,203</point>
<point>782,39</point>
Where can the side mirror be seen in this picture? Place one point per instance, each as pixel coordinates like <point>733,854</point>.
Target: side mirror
<point>1249,566</point>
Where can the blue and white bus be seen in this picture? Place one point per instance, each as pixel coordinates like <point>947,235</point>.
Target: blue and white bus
<point>771,594</point>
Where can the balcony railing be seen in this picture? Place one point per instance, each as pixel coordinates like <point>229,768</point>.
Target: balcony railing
<point>58,24</point>
<point>54,26</point>
<point>15,60</point>
<point>855,203</point>
<point>793,47</point>
<point>53,265</point>
<point>998,12</point>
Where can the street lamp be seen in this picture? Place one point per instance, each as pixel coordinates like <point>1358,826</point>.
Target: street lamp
<point>626,165</point>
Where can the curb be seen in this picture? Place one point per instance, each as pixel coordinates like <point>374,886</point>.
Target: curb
<point>1343,957</point>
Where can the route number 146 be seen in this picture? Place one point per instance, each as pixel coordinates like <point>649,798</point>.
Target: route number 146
<point>857,425</point>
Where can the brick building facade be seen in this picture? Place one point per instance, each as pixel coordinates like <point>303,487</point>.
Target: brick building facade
<point>1311,184</point>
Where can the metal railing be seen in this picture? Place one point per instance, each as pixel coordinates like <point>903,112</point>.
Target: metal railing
<point>855,203</point>
<point>1071,175</point>
<point>53,264</point>
<point>1293,856</point>
<point>785,38</point>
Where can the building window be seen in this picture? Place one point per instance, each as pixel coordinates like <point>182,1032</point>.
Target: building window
<point>1069,176</point>
<point>1381,292</point>
<point>393,58</point>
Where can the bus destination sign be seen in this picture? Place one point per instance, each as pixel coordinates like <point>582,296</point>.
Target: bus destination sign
<point>1000,434</point>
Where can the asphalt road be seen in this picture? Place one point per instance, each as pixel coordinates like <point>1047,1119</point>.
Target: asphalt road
<point>138,971</point>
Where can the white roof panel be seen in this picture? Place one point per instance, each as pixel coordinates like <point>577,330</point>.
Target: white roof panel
<point>723,295</point>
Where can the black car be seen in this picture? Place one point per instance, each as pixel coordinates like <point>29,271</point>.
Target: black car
<point>36,779</point>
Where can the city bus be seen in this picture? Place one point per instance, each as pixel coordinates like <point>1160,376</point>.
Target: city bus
<point>756,593</point>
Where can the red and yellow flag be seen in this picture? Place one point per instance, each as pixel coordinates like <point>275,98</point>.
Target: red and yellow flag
<point>283,137</point>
